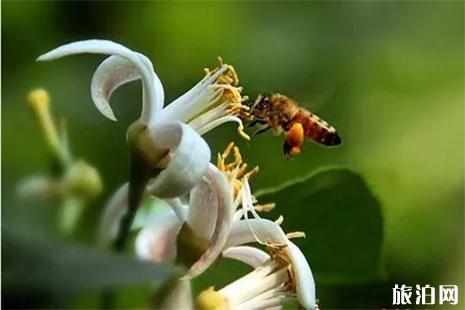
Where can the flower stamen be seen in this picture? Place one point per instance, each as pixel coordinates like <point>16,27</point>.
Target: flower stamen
<point>226,103</point>
<point>295,234</point>
<point>279,220</point>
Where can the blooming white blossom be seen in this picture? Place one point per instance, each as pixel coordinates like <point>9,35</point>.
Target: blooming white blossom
<point>174,130</point>
<point>277,278</point>
<point>287,275</point>
<point>171,140</point>
<point>210,213</point>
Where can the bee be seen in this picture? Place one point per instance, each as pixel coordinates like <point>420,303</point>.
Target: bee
<point>282,114</point>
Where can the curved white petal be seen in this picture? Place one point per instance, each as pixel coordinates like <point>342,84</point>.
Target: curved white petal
<point>116,207</point>
<point>247,254</point>
<point>247,231</point>
<point>152,87</point>
<point>157,242</point>
<point>305,284</point>
<point>110,74</point>
<point>203,209</point>
<point>190,157</point>
<point>220,187</point>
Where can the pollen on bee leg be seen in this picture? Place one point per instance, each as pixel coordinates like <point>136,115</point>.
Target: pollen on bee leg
<point>294,140</point>
<point>295,135</point>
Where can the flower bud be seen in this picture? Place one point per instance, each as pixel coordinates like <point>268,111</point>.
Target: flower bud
<point>83,181</point>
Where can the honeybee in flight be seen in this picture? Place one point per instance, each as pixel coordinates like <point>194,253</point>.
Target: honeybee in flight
<point>282,114</point>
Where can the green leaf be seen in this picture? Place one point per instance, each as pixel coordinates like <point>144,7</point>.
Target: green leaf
<point>51,270</point>
<point>342,220</point>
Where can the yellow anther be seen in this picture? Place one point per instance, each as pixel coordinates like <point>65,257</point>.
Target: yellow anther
<point>227,151</point>
<point>279,220</point>
<point>220,163</point>
<point>295,234</point>
<point>225,80</point>
<point>39,101</point>
<point>241,170</point>
<point>233,74</point>
<point>251,173</point>
<point>237,156</point>
<point>265,208</point>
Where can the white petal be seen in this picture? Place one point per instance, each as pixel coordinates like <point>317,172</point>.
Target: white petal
<point>247,254</point>
<point>267,300</point>
<point>152,87</point>
<point>247,231</point>
<point>305,284</point>
<point>110,74</point>
<point>203,209</point>
<point>157,241</point>
<point>117,206</point>
<point>253,285</point>
<point>220,187</point>
<point>190,156</point>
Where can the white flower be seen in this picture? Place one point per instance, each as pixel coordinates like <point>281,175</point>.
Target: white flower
<point>167,138</point>
<point>210,214</point>
<point>287,276</point>
<point>281,277</point>
<point>180,151</point>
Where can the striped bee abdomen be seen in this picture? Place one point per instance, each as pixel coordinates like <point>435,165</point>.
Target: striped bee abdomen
<point>317,129</point>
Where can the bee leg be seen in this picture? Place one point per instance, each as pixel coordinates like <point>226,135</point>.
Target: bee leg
<point>252,123</point>
<point>261,130</point>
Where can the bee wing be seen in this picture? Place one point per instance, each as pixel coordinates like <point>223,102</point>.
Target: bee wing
<point>317,99</point>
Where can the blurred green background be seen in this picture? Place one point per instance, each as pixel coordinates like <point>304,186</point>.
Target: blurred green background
<point>388,75</point>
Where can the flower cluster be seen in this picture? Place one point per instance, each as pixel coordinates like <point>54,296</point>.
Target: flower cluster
<point>73,181</point>
<point>171,159</point>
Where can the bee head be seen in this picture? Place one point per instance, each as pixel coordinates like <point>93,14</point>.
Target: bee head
<point>262,105</point>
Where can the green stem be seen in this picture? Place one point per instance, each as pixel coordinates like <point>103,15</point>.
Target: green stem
<point>137,182</point>
<point>144,157</point>
<point>143,161</point>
